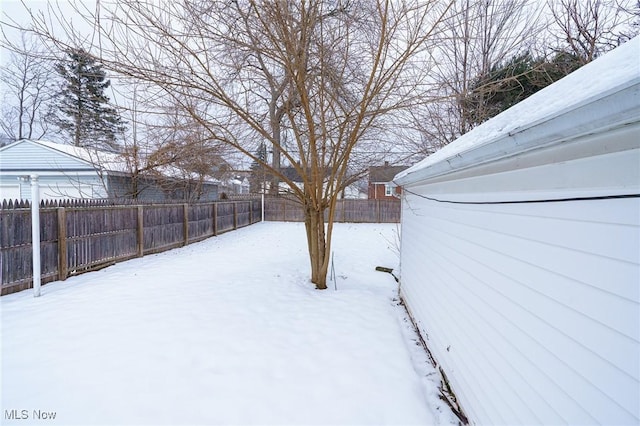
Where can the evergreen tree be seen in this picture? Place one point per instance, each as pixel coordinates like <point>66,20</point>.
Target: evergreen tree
<point>504,86</point>
<point>512,82</point>
<point>83,111</point>
<point>560,65</point>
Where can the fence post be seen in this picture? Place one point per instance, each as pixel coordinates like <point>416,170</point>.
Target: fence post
<point>140,231</point>
<point>250,212</point>
<point>378,210</point>
<point>235,215</point>
<point>62,244</point>
<point>185,224</point>
<point>35,234</point>
<point>215,219</point>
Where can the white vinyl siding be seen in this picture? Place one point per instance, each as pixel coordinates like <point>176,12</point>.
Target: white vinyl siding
<point>60,191</point>
<point>9,192</point>
<point>60,175</point>
<point>56,186</point>
<point>532,309</point>
<point>534,329</point>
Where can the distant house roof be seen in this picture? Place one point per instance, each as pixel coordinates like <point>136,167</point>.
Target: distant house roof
<point>106,161</point>
<point>383,174</point>
<point>292,174</point>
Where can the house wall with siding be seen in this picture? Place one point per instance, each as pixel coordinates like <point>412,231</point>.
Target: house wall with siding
<point>58,186</point>
<point>152,190</point>
<point>520,253</point>
<point>122,187</point>
<point>59,175</point>
<point>533,309</point>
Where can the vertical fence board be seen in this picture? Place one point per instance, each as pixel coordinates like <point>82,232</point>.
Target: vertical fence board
<point>235,216</point>
<point>185,224</point>
<point>140,231</point>
<point>62,244</point>
<point>225,218</point>
<point>215,219</point>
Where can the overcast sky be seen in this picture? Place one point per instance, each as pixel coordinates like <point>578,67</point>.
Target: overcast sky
<point>18,11</point>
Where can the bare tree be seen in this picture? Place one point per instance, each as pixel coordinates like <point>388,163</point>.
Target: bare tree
<point>338,68</point>
<point>479,35</point>
<point>182,155</point>
<point>246,53</point>
<point>27,80</point>
<point>588,28</point>
<point>494,46</point>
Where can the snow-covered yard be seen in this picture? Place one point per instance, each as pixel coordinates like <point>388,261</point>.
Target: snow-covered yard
<point>226,331</point>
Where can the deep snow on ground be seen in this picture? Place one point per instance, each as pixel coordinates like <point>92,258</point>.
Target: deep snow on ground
<point>226,331</point>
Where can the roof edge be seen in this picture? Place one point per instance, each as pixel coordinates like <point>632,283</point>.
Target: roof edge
<point>608,110</point>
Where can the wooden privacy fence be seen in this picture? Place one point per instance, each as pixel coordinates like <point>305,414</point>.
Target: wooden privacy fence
<point>363,211</point>
<point>79,239</point>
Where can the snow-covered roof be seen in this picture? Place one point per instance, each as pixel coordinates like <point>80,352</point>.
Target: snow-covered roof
<point>384,174</point>
<point>108,161</point>
<point>173,172</point>
<point>602,94</point>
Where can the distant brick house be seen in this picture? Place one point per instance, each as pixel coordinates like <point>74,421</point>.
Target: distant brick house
<point>381,186</point>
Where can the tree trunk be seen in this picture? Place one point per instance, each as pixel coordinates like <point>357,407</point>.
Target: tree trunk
<point>275,162</point>
<point>275,118</point>
<point>318,248</point>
